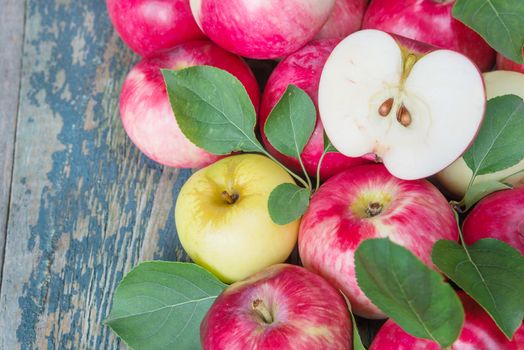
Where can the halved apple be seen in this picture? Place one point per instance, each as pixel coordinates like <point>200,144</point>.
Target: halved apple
<point>415,107</point>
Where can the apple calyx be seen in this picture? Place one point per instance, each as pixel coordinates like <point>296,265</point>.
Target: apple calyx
<point>374,209</point>
<point>262,311</point>
<point>229,198</point>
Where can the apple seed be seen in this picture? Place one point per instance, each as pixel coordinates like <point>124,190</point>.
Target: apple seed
<point>385,108</point>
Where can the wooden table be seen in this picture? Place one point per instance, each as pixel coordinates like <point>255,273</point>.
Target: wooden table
<point>79,204</point>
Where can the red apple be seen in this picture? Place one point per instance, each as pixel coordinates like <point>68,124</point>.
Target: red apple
<point>500,215</point>
<point>303,69</point>
<point>367,202</point>
<point>150,26</point>
<point>261,29</point>
<point>504,63</point>
<point>345,19</point>
<point>281,307</point>
<point>147,115</point>
<point>479,333</point>
<point>429,21</point>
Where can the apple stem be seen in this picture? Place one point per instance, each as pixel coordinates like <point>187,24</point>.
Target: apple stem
<point>373,209</point>
<point>230,198</point>
<point>262,311</point>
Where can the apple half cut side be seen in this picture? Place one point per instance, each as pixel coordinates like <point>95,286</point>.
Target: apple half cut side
<point>415,107</point>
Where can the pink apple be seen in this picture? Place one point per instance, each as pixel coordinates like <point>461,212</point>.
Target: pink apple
<point>281,307</point>
<point>479,333</point>
<point>303,69</point>
<point>261,29</point>
<point>147,115</point>
<point>429,21</point>
<point>150,26</point>
<point>500,215</point>
<point>367,202</point>
<point>504,63</point>
<point>345,19</point>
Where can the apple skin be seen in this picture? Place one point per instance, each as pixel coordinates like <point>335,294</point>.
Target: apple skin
<point>151,26</point>
<point>147,115</point>
<point>303,69</point>
<point>499,215</point>
<point>308,313</point>
<point>261,29</point>
<point>345,19</point>
<point>504,63</point>
<point>415,215</point>
<point>455,178</point>
<point>234,240</point>
<point>429,21</point>
<point>480,333</point>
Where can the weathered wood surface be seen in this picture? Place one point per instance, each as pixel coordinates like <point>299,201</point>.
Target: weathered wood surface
<point>86,205</point>
<point>11,37</point>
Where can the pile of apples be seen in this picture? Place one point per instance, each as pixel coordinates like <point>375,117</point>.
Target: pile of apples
<point>399,91</point>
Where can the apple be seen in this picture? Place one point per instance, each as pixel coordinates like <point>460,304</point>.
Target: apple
<point>281,307</point>
<point>429,21</point>
<point>504,63</point>
<point>479,333</point>
<point>416,108</point>
<point>261,29</point>
<point>367,202</point>
<point>499,215</point>
<point>146,112</point>
<point>345,19</point>
<point>223,221</point>
<point>456,177</point>
<point>151,26</point>
<point>303,69</point>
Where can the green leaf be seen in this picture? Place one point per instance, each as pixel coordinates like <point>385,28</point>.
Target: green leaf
<point>291,122</point>
<point>159,305</point>
<point>491,272</point>
<point>499,22</point>
<point>357,341</point>
<point>408,291</point>
<point>212,109</point>
<point>480,190</point>
<point>328,146</point>
<point>287,203</point>
<point>499,144</point>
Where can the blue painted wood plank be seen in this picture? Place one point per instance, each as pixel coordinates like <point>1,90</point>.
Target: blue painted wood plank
<point>86,205</point>
<point>11,37</point>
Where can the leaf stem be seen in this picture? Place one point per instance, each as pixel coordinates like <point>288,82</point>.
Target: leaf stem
<point>308,179</point>
<point>298,178</point>
<point>319,166</point>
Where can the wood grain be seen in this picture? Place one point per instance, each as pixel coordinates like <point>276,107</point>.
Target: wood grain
<point>11,37</point>
<point>86,205</point>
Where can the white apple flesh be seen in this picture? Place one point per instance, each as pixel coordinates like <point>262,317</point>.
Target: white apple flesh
<point>386,95</point>
<point>456,177</point>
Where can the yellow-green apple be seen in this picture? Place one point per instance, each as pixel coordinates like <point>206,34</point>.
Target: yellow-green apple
<point>223,221</point>
<point>479,333</point>
<point>261,29</point>
<point>500,215</point>
<point>303,69</point>
<point>281,307</point>
<point>456,177</point>
<point>429,21</point>
<point>147,115</point>
<point>152,26</point>
<point>367,202</point>
<point>415,107</point>
<point>345,19</point>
